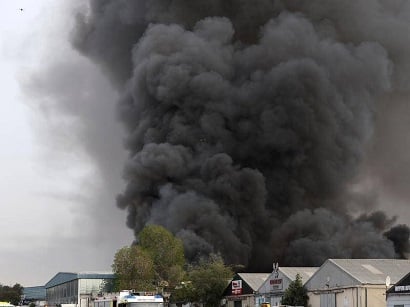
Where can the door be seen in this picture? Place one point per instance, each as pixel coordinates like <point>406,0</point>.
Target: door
<point>328,300</point>
<point>237,304</point>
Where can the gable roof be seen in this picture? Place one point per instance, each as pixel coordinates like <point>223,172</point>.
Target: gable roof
<point>254,280</point>
<point>373,271</point>
<point>402,286</point>
<point>304,272</point>
<point>250,283</point>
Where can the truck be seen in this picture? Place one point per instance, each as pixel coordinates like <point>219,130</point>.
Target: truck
<point>129,298</point>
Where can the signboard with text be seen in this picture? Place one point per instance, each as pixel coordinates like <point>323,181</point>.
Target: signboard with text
<point>402,288</point>
<point>276,284</point>
<point>236,287</point>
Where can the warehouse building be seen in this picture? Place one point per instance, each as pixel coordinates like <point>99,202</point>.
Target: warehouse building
<point>273,289</point>
<point>399,294</point>
<point>242,290</point>
<point>36,295</point>
<point>354,282</point>
<point>77,288</point>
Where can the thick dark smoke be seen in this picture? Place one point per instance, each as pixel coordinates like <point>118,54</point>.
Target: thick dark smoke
<point>249,121</point>
<point>400,236</point>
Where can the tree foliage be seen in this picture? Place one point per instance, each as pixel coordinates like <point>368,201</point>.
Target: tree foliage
<point>166,252</point>
<point>296,293</point>
<point>156,260</point>
<point>134,269</point>
<point>108,285</point>
<point>11,294</point>
<point>206,282</point>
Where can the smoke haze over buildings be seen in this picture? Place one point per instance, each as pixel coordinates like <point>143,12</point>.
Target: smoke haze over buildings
<point>258,129</point>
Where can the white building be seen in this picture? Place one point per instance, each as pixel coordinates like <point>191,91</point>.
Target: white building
<point>278,281</point>
<point>77,289</point>
<point>399,294</point>
<point>354,282</point>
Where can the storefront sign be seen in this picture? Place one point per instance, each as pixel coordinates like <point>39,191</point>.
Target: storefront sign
<point>401,288</point>
<point>236,287</point>
<point>276,284</point>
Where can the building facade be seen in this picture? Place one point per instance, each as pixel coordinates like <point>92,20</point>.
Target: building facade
<point>274,287</point>
<point>77,289</point>
<point>242,291</point>
<point>354,282</point>
<point>399,294</point>
<point>36,295</point>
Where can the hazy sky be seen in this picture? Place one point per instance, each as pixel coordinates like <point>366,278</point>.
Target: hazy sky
<point>57,214</point>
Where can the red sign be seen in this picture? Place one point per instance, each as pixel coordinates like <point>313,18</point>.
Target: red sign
<point>276,284</point>
<point>236,287</point>
<point>237,291</point>
<point>275,281</point>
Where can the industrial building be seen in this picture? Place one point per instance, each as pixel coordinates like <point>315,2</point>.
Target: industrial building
<point>399,294</point>
<point>243,288</point>
<point>77,289</point>
<point>273,289</point>
<point>36,295</point>
<point>354,282</point>
<point>338,282</point>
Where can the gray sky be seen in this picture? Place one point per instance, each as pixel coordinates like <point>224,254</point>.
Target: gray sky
<point>57,212</point>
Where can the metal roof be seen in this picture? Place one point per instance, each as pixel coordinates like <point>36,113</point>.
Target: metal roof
<point>64,277</point>
<point>374,271</point>
<point>304,272</point>
<point>95,275</point>
<point>254,280</point>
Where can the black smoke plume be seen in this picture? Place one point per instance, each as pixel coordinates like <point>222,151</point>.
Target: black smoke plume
<point>249,121</point>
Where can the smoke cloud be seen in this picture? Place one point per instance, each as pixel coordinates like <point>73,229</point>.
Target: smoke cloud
<point>250,124</point>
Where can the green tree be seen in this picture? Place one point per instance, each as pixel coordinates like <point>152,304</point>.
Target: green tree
<point>296,293</point>
<point>207,280</point>
<point>166,252</point>
<point>11,294</point>
<point>108,285</point>
<point>157,260</point>
<point>134,269</point>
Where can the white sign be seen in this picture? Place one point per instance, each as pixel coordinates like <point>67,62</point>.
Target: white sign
<point>236,284</point>
<point>401,288</point>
